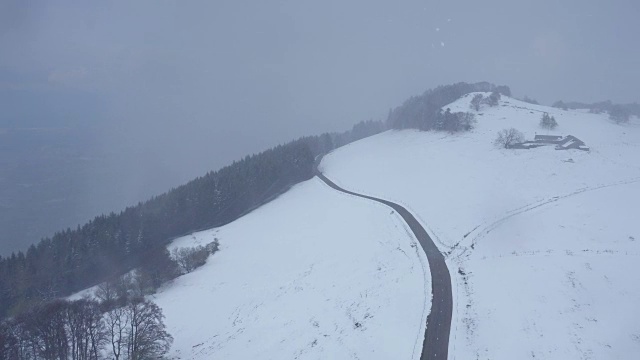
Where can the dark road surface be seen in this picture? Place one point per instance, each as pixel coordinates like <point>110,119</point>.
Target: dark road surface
<point>436,338</point>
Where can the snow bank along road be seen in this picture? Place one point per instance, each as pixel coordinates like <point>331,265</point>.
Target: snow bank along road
<point>436,338</point>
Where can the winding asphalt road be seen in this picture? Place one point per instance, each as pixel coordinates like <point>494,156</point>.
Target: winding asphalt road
<point>436,338</point>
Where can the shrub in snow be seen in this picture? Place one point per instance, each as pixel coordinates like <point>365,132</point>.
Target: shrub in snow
<point>454,122</point>
<point>189,259</point>
<point>156,269</point>
<point>560,105</point>
<point>619,115</point>
<point>115,288</point>
<point>548,122</point>
<point>466,121</point>
<point>476,102</point>
<point>493,99</point>
<point>135,329</point>
<point>213,246</point>
<point>508,137</point>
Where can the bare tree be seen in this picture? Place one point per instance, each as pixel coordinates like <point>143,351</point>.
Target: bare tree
<point>86,328</point>
<point>117,322</point>
<point>95,329</point>
<point>9,345</point>
<point>23,330</point>
<point>106,291</point>
<point>508,137</point>
<point>120,289</point>
<point>147,337</point>
<point>136,330</point>
<point>75,329</point>
<point>189,259</point>
<point>49,327</point>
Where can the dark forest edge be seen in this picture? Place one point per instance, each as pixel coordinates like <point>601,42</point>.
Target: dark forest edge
<point>424,112</point>
<point>111,245</point>
<point>112,321</point>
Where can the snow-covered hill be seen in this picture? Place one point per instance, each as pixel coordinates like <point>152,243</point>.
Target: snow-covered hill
<point>541,243</point>
<point>541,246</point>
<point>315,274</point>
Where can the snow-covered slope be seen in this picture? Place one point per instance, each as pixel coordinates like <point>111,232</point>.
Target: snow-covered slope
<point>315,274</point>
<point>541,243</point>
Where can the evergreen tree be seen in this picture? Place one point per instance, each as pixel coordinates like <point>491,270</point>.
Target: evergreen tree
<point>493,99</point>
<point>476,101</point>
<point>548,122</point>
<point>619,114</point>
<point>423,112</point>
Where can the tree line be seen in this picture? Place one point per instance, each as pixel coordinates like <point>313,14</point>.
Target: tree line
<point>113,244</point>
<point>620,113</point>
<point>117,322</point>
<point>86,329</point>
<point>424,112</point>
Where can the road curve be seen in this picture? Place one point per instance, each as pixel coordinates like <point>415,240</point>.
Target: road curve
<point>436,338</point>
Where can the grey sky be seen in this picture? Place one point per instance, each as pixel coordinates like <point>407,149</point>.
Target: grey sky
<point>296,67</point>
<point>176,88</point>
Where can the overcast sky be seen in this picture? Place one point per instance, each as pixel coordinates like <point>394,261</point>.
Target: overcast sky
<point>183,87</point>
<point>240,73</point>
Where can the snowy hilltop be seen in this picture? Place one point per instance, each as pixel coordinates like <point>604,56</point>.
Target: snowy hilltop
<point>539,242</point>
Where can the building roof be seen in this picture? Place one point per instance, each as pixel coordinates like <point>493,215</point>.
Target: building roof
<point>548,137</point>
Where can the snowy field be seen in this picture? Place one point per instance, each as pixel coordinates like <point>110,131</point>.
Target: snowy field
<point>315,274</point>
<point>541,243</point>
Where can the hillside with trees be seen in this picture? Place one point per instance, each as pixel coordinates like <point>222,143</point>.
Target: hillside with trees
<point>126,328</point>
<point>424,112</point>
<point>111,245</point>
